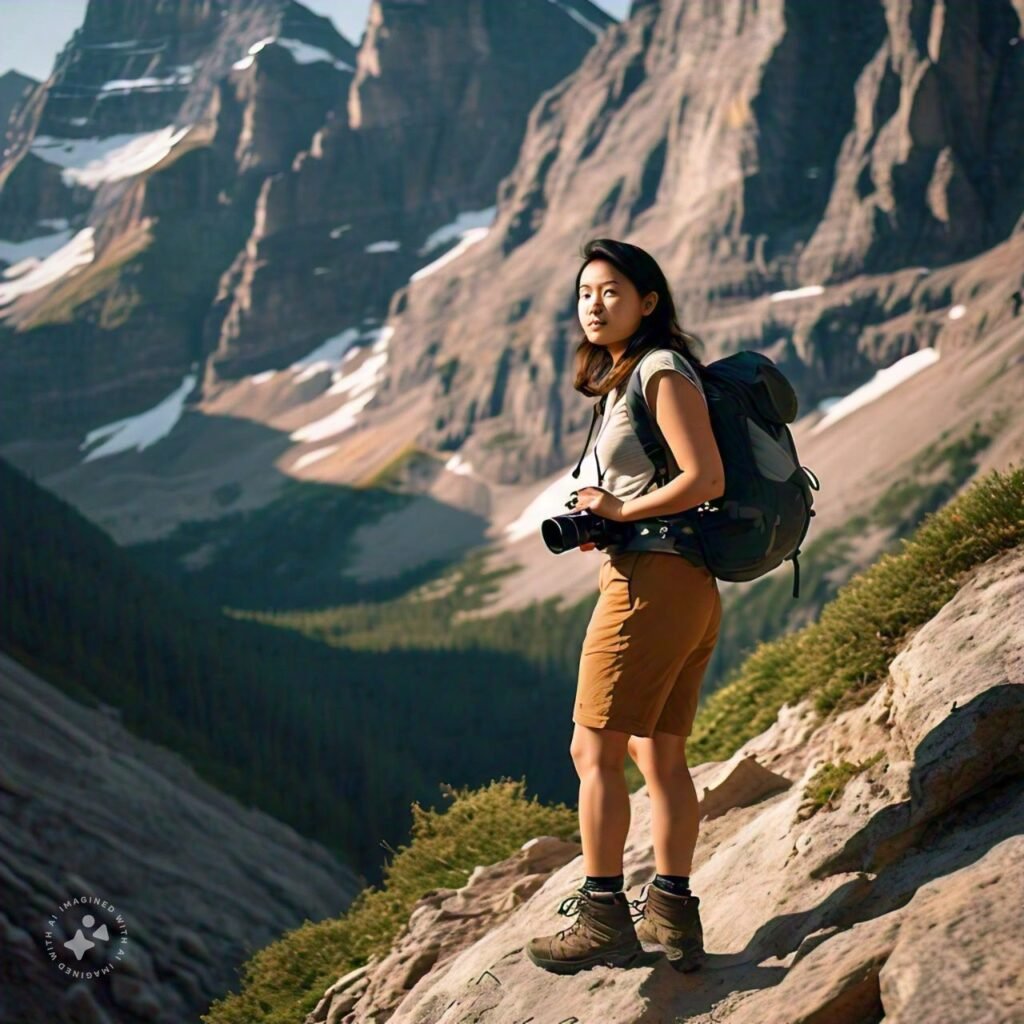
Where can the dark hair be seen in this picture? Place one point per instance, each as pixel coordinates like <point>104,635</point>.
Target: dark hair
<point>659,329</point>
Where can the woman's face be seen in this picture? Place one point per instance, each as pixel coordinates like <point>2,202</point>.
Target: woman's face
<point>609,306</point>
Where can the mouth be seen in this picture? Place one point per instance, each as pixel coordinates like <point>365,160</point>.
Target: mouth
<point>596,323</point>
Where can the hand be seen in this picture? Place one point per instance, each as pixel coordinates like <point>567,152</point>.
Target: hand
<point>599,502</point>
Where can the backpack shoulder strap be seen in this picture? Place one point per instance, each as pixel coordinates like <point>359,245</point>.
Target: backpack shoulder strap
<point>642,423</point>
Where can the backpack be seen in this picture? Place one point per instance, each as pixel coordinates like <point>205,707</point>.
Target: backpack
<point>764,514</point>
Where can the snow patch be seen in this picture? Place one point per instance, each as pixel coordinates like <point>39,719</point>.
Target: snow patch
<point>456,465</point>
<point>123,44</point>
<point>339,230</point>
<point>259,44</point>
<point>301,53</point>
<point>385,335</point>
<point>797,293</point>
<point>337,422</point>
<point>359,385</point>
<point>90,162</point>
<point>360,379</point>
<point>137,46</point>
<point>577,17</point>
<point>32,250</point>
<point>262,378</point>
<point>143,430</point>
<point>550,502</point>
<point>64,262</point>
<point>883,381</point>
<point>182,75</point>
<point>314,456</point>
<point>957,311</point>
<point>469,238</point>
<point>456,228</point>
<point>326,356</point>
<point>389,246</point>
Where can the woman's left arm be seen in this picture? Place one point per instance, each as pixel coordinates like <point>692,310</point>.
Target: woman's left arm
<point>682,416</point>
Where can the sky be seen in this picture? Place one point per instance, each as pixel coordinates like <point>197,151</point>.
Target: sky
<point>29,42</point>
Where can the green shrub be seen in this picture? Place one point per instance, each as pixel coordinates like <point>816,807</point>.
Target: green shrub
<point>841,658</point>
<point>283,982</point>
<point>829,781</point>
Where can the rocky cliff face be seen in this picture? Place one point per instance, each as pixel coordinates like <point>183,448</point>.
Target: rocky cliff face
<point>14,90</point>
<point>434,119</point>
<point>151,190</point>
<point>798,205</point>
<point>897,899</point>
<point>91,811</point>
<point>145,150</point>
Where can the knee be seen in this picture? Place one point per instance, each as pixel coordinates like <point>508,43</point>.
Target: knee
<point>588,760</point>
<point>663,772</point>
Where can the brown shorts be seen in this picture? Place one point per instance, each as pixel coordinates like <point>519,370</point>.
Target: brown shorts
<point>648,644</point>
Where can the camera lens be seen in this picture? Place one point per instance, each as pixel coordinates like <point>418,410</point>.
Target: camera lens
<point>561,533</point>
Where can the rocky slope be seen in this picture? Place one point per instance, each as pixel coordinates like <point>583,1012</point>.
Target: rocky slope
<point>897,900</point>
<point>201,881</point>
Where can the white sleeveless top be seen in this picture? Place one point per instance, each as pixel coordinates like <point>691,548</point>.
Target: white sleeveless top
<point>618,452</point>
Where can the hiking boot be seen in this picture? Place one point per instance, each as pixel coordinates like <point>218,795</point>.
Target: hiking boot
<point>601,934</point>
<point>671,923</point>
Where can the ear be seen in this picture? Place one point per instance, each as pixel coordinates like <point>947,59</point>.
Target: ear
<point>649,302</point>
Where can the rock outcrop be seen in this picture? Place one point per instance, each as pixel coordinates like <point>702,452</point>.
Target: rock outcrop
<point>433,120</point>
<point>899,898</point>
<point>90,811</point>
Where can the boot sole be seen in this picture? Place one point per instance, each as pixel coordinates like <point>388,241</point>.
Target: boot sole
<point>682,960</point>
<point>623,958</point>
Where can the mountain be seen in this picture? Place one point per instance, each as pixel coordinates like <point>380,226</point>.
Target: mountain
<point>91,810</point>
<point>267,312</point>
<point>214,165</point>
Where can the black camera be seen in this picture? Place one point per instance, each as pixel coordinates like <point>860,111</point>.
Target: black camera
<point>562,533</point>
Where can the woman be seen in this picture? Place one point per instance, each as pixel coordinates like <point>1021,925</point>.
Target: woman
<point>655,624</point>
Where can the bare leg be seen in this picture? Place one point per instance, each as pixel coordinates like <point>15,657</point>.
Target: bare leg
<point>600,757</point>
<point>674,813</point>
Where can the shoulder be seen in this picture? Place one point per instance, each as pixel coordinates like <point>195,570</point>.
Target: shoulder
<point>666,359</point>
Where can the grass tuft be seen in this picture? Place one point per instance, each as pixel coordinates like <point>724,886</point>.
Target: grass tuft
<point>826,785</point>
<point>840,659</point>
<point>283,982</point>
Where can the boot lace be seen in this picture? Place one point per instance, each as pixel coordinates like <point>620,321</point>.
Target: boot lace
<point>639,905</point>
<point>570,906</point>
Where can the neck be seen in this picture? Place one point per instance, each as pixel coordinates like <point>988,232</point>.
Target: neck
<point>617,352</point>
